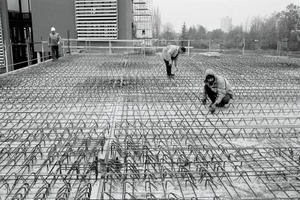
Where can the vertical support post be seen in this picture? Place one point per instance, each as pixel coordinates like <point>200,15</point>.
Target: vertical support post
<point>6,57</point>
<point>12,56</point>
<point>62,48</point>
<point>28,52</point>
<point>144,47</point>
<point>244,41</point>
<point>68,42</point>
<point>109,49</point>
<point>38,55</point>
<point>189,45</point>
<point>277,48</point>
<point>42,44</point>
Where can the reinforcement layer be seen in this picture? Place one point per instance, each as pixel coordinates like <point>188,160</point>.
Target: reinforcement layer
<point>92,126</point>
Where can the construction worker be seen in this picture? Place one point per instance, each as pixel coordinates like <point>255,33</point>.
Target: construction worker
<point>217,89</point>
<point>170,56</point>
<point>53,43</point>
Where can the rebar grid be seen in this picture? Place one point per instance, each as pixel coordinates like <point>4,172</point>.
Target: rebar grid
<point>95,126</point>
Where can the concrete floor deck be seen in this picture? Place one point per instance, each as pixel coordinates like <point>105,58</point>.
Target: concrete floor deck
<point>92,126</point>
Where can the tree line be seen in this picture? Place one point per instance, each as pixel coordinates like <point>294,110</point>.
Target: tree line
<point>281,28</point>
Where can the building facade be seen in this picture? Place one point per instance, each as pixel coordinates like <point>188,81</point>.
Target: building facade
<point>226,24</point>
<point>97,20</point>
<point>15,31</point>
<point>82,19</point>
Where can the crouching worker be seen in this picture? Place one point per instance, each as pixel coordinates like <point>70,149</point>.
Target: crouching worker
<point>217,89</point>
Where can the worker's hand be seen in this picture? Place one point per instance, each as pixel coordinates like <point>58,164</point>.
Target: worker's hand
<point>212,108</point>
<point>203,101</point>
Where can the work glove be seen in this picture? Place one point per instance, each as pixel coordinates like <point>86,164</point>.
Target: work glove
<point>203,101</point>
<point>212,108</point>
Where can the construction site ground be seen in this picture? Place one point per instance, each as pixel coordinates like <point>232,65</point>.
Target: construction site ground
<point>98,126</point>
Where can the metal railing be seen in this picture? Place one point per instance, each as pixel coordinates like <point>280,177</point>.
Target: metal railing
<point>141,46</point>
<point>69,46</point>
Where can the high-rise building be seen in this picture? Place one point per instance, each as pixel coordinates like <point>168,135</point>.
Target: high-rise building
<point>226,24</point>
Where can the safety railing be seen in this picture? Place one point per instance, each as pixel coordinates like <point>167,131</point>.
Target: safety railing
<point>143,47</point>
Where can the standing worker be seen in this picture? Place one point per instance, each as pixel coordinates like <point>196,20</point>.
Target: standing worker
<point>217,89</point>
<point>170,55</point>
<point>53,43</point>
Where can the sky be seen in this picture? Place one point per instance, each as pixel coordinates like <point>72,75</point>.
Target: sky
<point>209,13</point>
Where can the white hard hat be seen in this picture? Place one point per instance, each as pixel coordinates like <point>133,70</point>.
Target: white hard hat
<point>52,29</point>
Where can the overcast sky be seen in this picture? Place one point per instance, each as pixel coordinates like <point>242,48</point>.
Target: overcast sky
<point>209,13</point>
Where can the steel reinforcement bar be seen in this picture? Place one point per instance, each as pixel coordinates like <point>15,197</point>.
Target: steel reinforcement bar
<point>92,126</point>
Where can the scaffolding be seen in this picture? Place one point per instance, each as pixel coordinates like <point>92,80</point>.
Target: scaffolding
<point>142,14</point>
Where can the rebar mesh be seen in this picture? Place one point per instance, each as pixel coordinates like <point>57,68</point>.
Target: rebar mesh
<point>93,126</point>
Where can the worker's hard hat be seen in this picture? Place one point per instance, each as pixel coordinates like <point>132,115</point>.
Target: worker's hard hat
<point>52,29</point>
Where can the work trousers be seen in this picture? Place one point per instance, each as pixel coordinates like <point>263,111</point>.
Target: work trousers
<point>168,67</point>
<point>54,52</point>
<point>213,96</point>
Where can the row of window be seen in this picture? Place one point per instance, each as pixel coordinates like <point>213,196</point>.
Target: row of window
<point>90,11</point>
<point>97,31</point>
<point>96,25</point>
<point>96,19</point>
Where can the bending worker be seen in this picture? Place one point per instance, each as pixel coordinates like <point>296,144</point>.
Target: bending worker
<point>217,89</point>
<point>170,55</point>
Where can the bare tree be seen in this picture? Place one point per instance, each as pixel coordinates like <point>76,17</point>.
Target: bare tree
<point>246,25</point>
<point>184,34</point>
<point>234,38</point>
<point>269,32</point>
<point>256,33</point>
<point>288,21</point>
<point>156,23</point>
<point>168,32</point>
